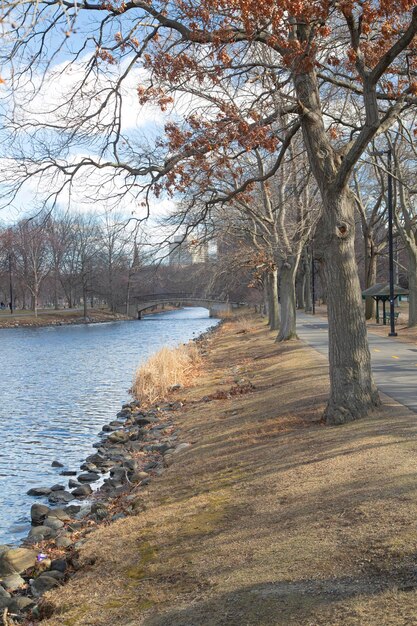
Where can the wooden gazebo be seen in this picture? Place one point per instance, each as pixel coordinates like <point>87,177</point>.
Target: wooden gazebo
<point>380,293</point>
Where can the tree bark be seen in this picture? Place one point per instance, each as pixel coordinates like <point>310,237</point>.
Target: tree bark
<point>308,297</point>
<point>300,288</point>
<point>352,390</point>
<point>287,329</point>
<point>266,309</point>
<point>274,320</point>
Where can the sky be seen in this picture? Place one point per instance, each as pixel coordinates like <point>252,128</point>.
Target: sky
<point>42,98</point>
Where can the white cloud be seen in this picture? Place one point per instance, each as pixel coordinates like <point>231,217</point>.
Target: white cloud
<point>70,91</point>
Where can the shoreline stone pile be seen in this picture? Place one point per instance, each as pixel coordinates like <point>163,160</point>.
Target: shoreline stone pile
<point>136,446</point>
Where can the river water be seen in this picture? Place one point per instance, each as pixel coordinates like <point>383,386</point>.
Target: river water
<point>58,387</point>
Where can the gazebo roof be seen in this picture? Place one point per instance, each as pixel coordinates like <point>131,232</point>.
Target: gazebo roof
<point>382,290</point>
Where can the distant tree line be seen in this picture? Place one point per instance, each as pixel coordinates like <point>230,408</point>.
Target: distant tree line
<point>66,261</point>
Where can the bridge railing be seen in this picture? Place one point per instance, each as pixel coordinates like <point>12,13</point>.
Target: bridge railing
<point>167,297</point>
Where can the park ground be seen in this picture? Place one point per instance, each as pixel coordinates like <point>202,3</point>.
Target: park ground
<point>270,517</point>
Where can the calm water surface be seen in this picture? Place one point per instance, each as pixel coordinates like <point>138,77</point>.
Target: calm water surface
<point>58,386</point>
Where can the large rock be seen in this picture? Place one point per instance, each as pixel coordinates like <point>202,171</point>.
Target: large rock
<point>39,491</point>
<point>5,602</point>
<point>96,458</point>
<point>99,511</point>
<point>53,522</point>
<point>73,510</point>
<point>82,491</point>
<point>88,477</point>
<point>60,497</point>
<point>61,514</point>
<point>38,513</point>
<point>39,533</point>
<point>16,560</point>
<point>21,604</point>
<point>59,565</point>
<point>12,582</point>
<point>119,436</point>
<point>41,585</point>
<point>57,464</point>
<point>141,420</point>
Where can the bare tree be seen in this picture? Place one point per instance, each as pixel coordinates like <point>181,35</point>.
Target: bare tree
<point>31,255</point>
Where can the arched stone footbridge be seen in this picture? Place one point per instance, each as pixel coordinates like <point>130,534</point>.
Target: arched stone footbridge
<point>216,306</point>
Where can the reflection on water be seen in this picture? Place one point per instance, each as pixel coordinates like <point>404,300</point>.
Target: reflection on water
<point>58,386</point>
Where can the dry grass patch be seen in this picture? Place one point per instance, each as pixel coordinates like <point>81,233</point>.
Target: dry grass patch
<point>162,371</point>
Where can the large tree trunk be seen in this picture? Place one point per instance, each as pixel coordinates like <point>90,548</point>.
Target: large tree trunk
<point>274,321</point>
<point>352,390</point>
<point>412,284</point>
<point>287,329</point>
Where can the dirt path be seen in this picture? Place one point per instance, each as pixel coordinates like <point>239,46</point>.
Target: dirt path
<point>269,518</point>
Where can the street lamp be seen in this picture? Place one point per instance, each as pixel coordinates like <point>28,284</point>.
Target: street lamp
<point>313,281</point>
<point>392,332</point>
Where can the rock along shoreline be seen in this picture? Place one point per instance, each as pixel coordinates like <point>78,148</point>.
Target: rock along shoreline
<point>136,446</point>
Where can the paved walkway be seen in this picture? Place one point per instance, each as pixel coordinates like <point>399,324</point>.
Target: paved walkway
<point>394,363</point>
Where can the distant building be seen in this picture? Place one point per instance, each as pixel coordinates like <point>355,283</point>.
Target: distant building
<point>186,251</point>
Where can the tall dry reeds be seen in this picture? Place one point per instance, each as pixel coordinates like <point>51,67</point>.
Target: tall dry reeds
<point>163,370</point>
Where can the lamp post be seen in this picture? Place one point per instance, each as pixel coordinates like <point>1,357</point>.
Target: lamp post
<point>392,332</point>
<point>313,282</point>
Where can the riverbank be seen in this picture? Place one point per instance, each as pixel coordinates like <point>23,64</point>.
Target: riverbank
<point>27,319</point>
<point>63,317</point>
<point>256,513</point>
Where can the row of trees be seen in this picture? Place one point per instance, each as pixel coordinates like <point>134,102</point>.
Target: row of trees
<point>290,105</point>
<point>67,260</point>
